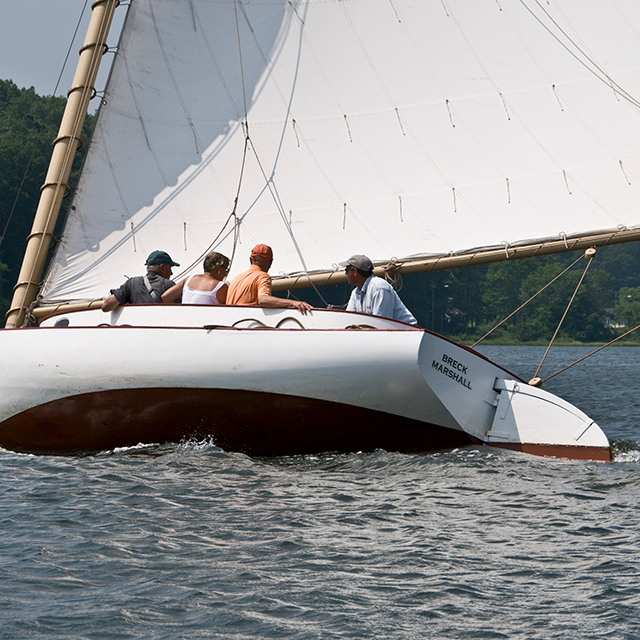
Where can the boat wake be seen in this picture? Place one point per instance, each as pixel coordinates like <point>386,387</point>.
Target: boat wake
<point>622,451</point>
<point>157,449</point>
<point>625,450</point>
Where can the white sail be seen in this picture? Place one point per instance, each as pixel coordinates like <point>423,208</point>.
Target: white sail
<point>393,128</point>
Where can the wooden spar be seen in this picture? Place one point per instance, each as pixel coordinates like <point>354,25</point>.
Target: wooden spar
<point>466,259</point>
<point>64,148</point>
<point>67,307</point>
<point>420,265</point>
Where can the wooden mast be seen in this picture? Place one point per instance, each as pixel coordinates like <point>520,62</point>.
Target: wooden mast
<point>64,149</point>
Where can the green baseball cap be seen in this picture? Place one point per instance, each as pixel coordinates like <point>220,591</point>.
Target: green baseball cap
<point>160,257</point>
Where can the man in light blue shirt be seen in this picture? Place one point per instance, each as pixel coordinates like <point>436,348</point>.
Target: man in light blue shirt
<point>373,295</point>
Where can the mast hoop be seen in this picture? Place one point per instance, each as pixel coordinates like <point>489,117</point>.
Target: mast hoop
<point>60,165</point>
<point>40,233</point>
<point>57,184</point>
<point>97,2</point>
<point>69,137</point>
<point>94,93</point>
<point>44,233</point>
<point>105,47</point>
<point>13,309</point>
<point>27,283</point>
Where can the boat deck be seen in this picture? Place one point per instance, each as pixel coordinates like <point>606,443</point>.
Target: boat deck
<point>224,317</point>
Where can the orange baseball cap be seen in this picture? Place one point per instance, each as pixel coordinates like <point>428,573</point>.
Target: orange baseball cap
<point>262,251</point>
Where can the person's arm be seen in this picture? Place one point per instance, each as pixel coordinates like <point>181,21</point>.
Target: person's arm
<point>173,293</point>
<point>221,294</point>
<point>265,300</point>
<point>121,295</point>
<point>110,303</point>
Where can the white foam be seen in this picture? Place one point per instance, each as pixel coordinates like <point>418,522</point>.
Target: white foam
<point>628,456</point>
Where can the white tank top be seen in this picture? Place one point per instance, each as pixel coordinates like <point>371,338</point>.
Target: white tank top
<point>193,296</point>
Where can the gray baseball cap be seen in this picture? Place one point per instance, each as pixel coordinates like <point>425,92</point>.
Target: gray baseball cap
<point>359,262</point>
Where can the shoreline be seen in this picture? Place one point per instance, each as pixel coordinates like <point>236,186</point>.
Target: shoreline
<point>557,343</point>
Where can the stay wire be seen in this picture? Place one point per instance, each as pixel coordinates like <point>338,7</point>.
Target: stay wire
<point>584,273</point>
<point>592,353</point>
<point>275,200</point>
<point>524,304</point>
<point>244,93</point>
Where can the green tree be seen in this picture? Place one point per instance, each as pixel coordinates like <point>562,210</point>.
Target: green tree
<point>25,144</point>
<point>502,289</point>
<point>510,284</point>
<point>448,301</point>
<point>627,308</point>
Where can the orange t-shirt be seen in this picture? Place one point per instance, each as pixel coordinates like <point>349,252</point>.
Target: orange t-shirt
<point>246,287</point>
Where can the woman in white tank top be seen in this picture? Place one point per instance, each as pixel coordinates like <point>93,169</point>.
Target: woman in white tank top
<point>206,288</point>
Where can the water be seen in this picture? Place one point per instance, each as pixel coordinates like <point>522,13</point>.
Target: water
<point>187,541</point>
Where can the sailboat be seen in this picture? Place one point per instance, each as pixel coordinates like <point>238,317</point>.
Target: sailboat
<point>426,135</point>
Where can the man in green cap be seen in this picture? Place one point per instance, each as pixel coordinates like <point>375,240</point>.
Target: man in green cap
<point>145,289</point>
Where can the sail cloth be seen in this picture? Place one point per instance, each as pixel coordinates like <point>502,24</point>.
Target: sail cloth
<point>392,128</point>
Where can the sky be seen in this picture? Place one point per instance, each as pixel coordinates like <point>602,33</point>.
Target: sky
<point>35,36</point>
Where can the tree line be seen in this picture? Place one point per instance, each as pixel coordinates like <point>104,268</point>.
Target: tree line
<point>463,304</point>
<point>467,303</point>
<point>28,125</point>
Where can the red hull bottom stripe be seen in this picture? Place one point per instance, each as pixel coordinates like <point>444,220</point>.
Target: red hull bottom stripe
<point>602,454</point>
<point>255,423</point>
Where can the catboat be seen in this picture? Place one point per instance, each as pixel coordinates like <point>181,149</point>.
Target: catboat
<point>427,135</point>
<point>270,381</point>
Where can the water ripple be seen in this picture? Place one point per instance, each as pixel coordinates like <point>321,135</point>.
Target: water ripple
<point>188,541</point>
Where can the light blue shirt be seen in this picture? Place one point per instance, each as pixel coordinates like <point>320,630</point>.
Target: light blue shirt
<point>378,298</point>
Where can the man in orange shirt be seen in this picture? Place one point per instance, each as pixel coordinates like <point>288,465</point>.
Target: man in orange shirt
<point>253,287</point>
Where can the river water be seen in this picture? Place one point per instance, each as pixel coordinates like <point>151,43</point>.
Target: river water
<point>187,541</point>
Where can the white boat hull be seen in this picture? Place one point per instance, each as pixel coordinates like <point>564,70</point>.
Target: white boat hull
<point>167,373</point>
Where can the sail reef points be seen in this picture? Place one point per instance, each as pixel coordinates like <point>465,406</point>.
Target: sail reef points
<point>452,370</point>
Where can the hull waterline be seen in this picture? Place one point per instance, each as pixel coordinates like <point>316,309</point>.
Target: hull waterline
<point>254,423</point>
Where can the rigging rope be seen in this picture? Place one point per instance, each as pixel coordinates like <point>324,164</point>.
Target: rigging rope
<point>622,91</point>
<point>268,182</point>
<point>524,304</point>
<point>245,126</point>
<point>538,382</point>
<point>589,255</point>
<point>233,215</point>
